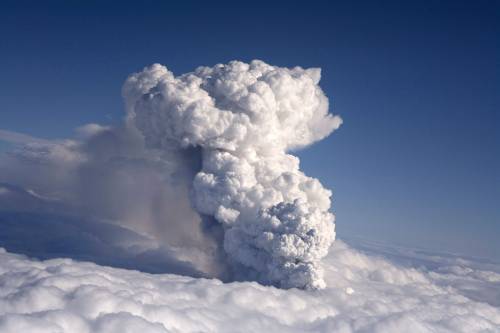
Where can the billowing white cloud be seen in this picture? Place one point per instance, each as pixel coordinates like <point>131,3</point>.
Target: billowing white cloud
<point>365,293</point>
<point>89,130</point>
<point>241,120</point>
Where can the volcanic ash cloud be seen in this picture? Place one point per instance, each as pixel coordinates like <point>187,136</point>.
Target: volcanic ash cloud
<point>244,119</point>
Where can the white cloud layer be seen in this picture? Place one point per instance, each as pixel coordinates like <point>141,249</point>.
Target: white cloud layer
<point>365,293</point>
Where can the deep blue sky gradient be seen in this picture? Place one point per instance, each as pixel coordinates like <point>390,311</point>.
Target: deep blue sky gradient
<point>417,161</point>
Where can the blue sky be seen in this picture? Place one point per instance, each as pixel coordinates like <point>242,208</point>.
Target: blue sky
<point>417,160</point>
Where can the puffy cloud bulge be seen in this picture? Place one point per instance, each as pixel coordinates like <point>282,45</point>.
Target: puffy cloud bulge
<point>244,119</point>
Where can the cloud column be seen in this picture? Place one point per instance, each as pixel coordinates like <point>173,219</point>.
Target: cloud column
<point>246,118</point>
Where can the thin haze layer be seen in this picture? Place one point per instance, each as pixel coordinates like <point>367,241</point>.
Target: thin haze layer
<point>245,118</point>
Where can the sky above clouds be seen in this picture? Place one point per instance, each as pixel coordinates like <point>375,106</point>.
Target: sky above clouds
<point>417,159</point>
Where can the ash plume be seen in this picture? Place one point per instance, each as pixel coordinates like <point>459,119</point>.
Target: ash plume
<point>242,121</point>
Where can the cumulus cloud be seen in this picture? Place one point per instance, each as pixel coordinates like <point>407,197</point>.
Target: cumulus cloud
<point>365,293</point>
<point>243,120</point>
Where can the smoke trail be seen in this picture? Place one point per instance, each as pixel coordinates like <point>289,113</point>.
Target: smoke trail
<point>70,194</point>
<point>245,118</point>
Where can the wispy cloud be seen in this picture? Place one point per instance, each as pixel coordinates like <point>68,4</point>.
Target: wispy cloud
<point>19,138</point>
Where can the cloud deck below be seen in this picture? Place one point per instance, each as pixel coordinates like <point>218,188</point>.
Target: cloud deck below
<point>370,289</point>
